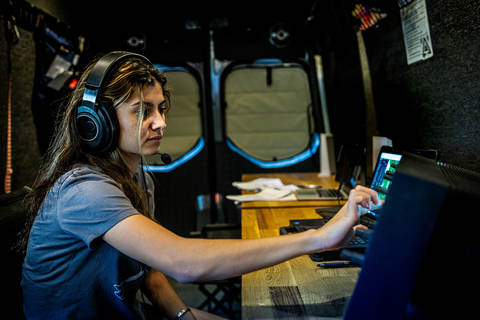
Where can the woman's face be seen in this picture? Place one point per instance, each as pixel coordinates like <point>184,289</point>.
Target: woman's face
<point>152,127</point>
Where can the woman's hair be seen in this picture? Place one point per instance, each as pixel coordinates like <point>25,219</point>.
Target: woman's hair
<point>66,149</point>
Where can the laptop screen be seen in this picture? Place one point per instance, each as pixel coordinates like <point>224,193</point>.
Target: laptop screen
<point>384,171</point>
<point>387,162</point>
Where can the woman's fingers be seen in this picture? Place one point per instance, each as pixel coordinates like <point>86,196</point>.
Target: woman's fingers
<point>370,196</point>
<point>373,194</point>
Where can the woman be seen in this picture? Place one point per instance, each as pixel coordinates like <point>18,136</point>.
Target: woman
<point>92,240</point>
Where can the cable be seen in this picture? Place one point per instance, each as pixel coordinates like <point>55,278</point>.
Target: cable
<point>339,195</point>
<point>145,184</point>
<point>9,171</point>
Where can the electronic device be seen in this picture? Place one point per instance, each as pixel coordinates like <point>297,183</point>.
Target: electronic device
<point>348,167</point>
<point>166,158</point>
<point>387,162</point>
<point>97,120</point>
<point>422,259</point>
<point>358,244</point>
<point>323,194</point>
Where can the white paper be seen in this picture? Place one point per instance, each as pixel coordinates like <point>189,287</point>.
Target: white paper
<point>262,183</point>
<point>267,194</point>
<point>416,32</point>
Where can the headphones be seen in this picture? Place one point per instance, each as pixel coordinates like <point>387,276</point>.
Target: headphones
<point>96,120</point>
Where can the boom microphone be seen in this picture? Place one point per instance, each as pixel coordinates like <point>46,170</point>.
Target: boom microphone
<point>166,158</point>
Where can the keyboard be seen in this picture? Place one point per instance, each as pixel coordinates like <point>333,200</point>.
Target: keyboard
<point>358,244</point>
<point>328,193</point>
<point>368,221</point>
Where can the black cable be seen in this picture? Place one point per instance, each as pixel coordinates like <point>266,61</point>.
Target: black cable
<point>339,194</point>
<point>145,183</point>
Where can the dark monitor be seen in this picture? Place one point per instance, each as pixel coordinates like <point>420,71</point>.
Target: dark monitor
<point>422,261</point>
<point>350,156</point>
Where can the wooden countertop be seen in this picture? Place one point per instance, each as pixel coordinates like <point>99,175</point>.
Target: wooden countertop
<point>296,289</point>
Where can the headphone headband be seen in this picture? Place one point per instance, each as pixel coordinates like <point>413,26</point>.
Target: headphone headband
<point>102,69</point>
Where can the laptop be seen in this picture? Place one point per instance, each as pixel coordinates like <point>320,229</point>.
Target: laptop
<point>386,165</point>
<point>348,169</point>
<point>387,162</point>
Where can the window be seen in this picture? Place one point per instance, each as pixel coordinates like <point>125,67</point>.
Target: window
<point>268,113</point>
<point>183,135</point>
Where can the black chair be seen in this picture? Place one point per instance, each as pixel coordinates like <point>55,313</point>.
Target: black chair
<point>214,227</point>
<point>222,297</point>
<point>12,217</point>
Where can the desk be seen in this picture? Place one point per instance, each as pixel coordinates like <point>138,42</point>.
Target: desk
<point>304,178</point>
<point>295,289</point>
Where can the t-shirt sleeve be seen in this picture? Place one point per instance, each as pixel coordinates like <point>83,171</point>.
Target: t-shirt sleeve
<point>90,203</point>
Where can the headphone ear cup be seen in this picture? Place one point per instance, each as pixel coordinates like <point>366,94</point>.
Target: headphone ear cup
<point>99,130</point>
<point>97,121</point>
<point>110,127</point>
<point>89,127</point>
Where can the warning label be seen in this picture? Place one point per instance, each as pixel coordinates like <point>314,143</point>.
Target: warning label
<point>416,32</point>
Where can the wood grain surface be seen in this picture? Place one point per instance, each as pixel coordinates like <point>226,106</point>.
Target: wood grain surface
<point>295,289</point>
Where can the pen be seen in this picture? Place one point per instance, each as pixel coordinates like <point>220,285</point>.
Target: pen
<point>337,264</point>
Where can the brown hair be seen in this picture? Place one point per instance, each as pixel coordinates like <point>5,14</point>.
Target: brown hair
<point>66,149</point>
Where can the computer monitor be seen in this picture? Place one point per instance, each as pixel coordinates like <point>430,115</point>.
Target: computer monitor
<point>422,261</point>
<point>387,162</point>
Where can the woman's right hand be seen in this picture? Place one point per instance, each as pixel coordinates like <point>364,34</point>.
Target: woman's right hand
<point>340,230</point>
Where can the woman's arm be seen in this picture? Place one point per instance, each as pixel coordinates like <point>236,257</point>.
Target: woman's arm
<point>189,260</point>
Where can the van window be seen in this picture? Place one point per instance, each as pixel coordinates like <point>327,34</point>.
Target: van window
<point>268,112</point>
<point>183,134</point>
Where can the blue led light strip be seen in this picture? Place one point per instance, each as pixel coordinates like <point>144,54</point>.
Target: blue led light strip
<point>169,167</point>
<point>280,163</point>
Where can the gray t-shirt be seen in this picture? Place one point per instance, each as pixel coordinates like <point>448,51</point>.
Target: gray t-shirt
<point>69,271</point>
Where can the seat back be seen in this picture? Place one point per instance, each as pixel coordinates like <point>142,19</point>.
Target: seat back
<point>12,218</point>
